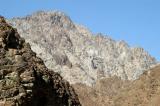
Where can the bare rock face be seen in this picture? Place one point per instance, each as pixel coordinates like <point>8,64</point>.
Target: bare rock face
<point>24,79</point>
<point>77,54</point>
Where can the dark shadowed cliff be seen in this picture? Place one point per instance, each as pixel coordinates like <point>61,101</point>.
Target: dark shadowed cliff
<point>24,79</point>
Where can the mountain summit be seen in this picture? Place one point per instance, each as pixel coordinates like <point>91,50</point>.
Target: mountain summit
<point>77,54</point>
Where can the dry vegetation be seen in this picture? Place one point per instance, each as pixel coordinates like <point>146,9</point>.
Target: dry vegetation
<point>144,91</point>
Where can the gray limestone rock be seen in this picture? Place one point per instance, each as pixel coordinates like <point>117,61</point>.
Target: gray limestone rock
<point>77,54</point>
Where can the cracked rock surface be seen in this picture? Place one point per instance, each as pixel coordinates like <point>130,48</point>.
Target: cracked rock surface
<point>77,54</point>
<point>24,79</point>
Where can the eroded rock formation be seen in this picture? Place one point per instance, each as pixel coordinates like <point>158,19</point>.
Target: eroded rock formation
<point>77,54</point>
<point>24,79</point>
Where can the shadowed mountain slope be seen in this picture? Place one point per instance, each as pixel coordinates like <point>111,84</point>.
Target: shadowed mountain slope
<point>24,79</point>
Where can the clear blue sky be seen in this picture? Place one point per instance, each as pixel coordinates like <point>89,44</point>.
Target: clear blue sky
<point>135,21</point>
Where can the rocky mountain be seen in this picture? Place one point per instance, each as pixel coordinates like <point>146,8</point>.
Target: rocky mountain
<point>144,91</point>
<point>77,54</point>
<point>24,79</point>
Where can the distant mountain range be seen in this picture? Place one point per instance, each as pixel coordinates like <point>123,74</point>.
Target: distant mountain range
<point>76,53</point>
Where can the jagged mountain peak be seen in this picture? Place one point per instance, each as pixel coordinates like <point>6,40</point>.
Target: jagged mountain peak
<point>77,54</point>
<point>52,18</point>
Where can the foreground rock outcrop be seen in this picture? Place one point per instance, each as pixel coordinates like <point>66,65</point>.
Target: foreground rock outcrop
<point>144,91</point>
<point>24,79</point>
<point>77,54</point>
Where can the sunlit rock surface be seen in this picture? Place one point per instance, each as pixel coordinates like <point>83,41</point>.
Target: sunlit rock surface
<point>77,54</point>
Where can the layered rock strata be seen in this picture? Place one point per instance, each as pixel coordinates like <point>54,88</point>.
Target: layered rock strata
<point>24,79</point>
